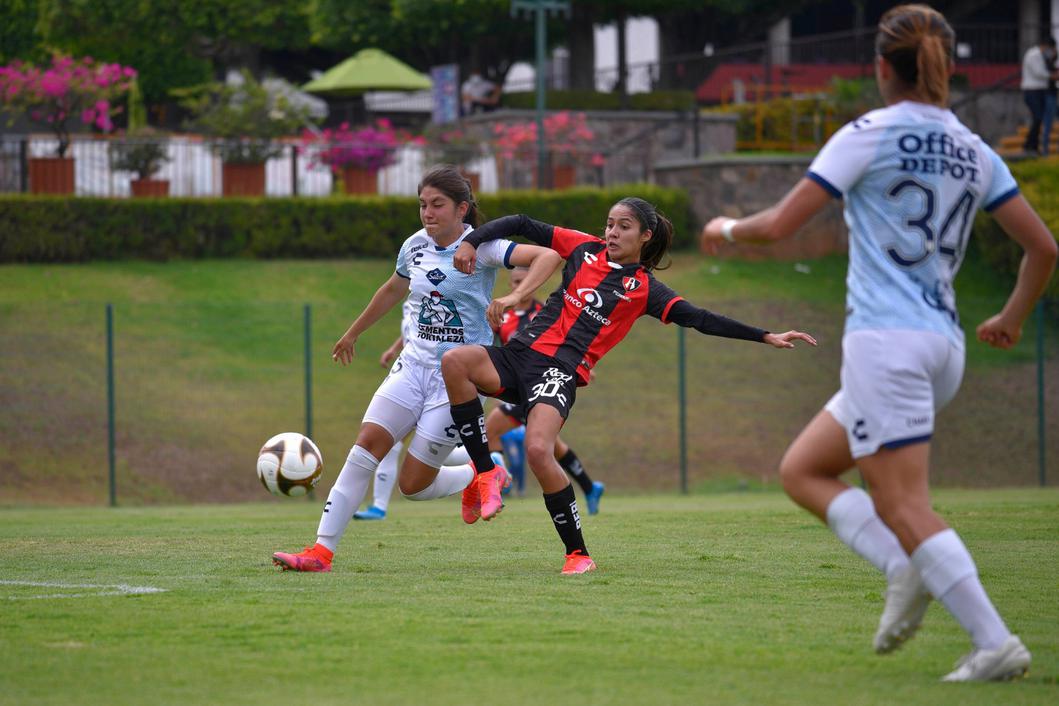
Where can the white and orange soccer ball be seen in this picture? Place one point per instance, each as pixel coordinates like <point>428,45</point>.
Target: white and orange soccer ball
<point>289,464</point>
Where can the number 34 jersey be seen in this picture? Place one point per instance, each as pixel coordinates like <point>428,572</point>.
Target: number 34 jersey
<point>912,176</point>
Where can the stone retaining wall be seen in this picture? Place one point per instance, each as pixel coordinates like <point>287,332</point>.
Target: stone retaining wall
<point>740,186</point>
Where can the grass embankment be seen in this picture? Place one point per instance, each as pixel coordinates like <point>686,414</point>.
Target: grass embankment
<point>210,362</point>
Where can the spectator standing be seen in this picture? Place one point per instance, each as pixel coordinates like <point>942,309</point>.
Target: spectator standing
<point>1038,85</point>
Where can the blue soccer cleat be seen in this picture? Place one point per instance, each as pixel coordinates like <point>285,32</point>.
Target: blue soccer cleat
<point>592,499</point>
<point>370,513</point>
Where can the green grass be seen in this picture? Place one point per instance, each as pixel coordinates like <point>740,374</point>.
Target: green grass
<point>209,362</point>
<point>735,598</point>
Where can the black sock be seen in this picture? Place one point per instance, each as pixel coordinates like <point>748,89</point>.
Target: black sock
<point>469,418</point>
<point>562,506</point>
<point>572,465</point>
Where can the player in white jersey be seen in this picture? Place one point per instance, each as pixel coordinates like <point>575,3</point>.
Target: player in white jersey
<point>912,177</point>
<point>448,309</point>
<point>386,473</point>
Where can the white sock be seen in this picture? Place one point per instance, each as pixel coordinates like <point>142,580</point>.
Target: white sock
<point>449,481</point>
<point>385,477</point>
<point>345,497</point>
<point>458,456</point>
<point>951,576</point>
<point>852,517</point>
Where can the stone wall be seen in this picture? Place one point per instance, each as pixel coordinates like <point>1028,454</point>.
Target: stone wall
<point>741,186</point>
<point>625,145</point>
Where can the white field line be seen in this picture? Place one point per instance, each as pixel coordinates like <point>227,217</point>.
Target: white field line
<point>112,589</point>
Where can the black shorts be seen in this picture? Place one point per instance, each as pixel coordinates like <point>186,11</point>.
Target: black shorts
<point>529,378</point>
<point>516,412</point>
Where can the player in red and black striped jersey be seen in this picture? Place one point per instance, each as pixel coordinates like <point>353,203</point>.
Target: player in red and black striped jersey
<point>509,415</point>
<point>607,284</point>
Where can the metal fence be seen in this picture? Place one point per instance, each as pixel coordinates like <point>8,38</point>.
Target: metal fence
<point>150,401</point>
<point>192,167</point>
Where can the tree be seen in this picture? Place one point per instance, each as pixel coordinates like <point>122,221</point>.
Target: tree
<point>175,44</point>
<point>478,34</point>
<point>18,32</point>
<point>67,89</point>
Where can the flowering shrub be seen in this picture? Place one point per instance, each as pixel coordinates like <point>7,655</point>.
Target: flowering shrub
<point>565,134</point>
<point>245,117</point>
<point>369,148</point>
<point>451,145</point>
<point>69,87</point>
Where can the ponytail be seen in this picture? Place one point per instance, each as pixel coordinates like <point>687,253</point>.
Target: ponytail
<point>650,218</point>
<point>932,62</point>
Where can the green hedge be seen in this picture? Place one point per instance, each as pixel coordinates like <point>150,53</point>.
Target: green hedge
<point>69,229</point>
<point>594,100</point>
<point>1039,182</point>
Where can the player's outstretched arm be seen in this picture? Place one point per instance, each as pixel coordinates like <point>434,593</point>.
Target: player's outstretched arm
<point>775,223</point>
<point>386,296</point>
<point>504,227</point>
<point>787,339</point>
<point>1021,222</point>
<point>685,314</point>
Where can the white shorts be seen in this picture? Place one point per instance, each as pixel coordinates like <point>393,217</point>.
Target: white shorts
<point>413,396</point>
<point>893,382</point>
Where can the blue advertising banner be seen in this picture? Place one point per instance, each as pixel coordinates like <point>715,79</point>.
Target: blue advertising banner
<point>445,94</point>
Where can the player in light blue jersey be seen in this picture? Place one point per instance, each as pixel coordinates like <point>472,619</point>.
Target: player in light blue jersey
<point>448,309</point>
<point>912,177</point>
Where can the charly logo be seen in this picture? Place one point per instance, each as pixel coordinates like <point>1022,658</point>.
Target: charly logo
<point>630,283</point>
<point>436,276</point>
<point>590,296</point>
<point>590,258</point>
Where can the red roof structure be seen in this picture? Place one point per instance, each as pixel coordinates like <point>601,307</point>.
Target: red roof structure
<point>719,87</point>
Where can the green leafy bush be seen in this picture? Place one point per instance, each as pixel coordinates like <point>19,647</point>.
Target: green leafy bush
<point>1039,182</point>
<point>594,100</point>
<point>66,229</point>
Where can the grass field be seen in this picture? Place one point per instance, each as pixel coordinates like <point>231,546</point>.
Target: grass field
<point>734,598</point>
<point>209,363</point>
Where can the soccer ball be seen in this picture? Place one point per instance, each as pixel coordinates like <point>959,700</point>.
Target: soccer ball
<point>289,464</point>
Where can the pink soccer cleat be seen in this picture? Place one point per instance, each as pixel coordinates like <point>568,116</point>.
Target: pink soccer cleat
<point>491,486</point>
<point>314,558</point>
<point>578,563</point>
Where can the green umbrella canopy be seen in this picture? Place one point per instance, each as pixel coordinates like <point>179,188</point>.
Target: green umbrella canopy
<point>368,70</point>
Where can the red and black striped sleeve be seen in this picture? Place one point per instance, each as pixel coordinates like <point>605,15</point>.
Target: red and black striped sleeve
<point>561,240</point>
<point>668,307</point>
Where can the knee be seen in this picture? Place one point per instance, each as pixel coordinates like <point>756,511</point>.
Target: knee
<point>897,512</point>
<point>408,487</point>
<point>540,452</point>
<point>792,473</point>
<point>451,362</point>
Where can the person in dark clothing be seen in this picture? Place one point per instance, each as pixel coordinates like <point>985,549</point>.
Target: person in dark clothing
<point>1038,85</point>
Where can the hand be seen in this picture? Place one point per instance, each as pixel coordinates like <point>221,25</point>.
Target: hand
<point>465,257</point>
<point>495,312</point>
<point>998,332</point>
<point>711,239</point>
<point>786,340</point>
<point>345,350</point>
<point>387,357</point>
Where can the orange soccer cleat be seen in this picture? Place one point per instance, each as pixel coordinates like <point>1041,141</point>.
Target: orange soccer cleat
<point>314,558</point>
<point>491,486</point>
<point>578,563</point>
<point>471,502</point>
